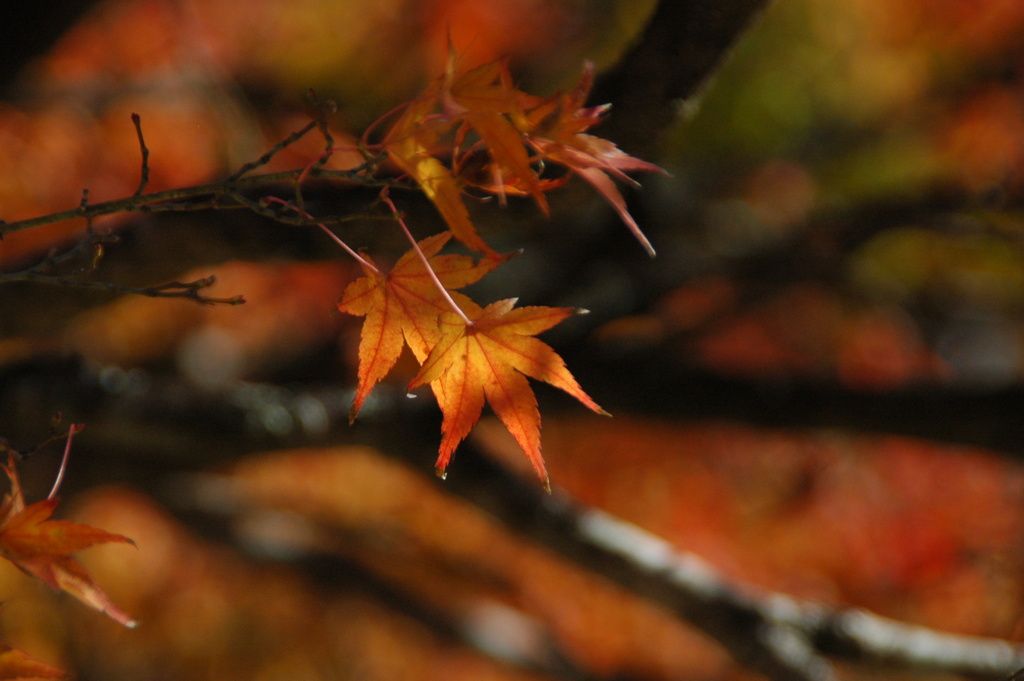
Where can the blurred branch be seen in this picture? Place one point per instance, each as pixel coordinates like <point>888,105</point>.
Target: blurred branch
<point>672,390</point>
<point>93,245</point>
<point>779,636</point>
<point>227,193</point>
<point>796,631</point>
<point>683,44</point>
<point>774,634</point>
<point>215,195</point>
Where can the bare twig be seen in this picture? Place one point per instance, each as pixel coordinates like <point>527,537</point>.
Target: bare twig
<point>326,108</point>
<point>182,199</point>
<point>190,290</point>
<point>42,273</point>
<point>144,177</point>
<point>266,158</point>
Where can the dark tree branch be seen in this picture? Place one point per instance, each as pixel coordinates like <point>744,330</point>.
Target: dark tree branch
<point>772,633</point>
<point>189,290</point>
<point>213,195</point>
<point>683,44</point>
<point>93,245</point>
<point>779,636</point>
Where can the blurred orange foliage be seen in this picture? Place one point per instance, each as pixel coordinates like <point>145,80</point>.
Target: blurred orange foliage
<point>286,317</point>
<point>927,533</point>
<point>868,521</point>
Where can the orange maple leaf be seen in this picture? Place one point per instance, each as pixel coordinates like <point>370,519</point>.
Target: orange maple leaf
<point>556,130</point>
<point>403,306</point>
<point>482,100</point>
<point>41,547</point>
<point>490,360</point>
<point>17,666</point>
<point>491,106</point>
<point>509,123</point>
<point>412,142</point>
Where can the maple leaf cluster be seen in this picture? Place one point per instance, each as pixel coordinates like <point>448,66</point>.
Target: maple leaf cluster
<point>499,140</point>
<point>518,135</point>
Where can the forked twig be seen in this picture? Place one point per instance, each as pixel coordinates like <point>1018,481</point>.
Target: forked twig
<point>189,290</point>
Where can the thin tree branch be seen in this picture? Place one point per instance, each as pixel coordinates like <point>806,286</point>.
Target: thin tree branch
<point>781,637</point>
<point>266,158</point>
<point>174,199</point>
<point>190,290</point>
<point>144,175</point>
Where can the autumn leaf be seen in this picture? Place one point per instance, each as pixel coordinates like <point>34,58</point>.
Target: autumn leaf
<point>41,547</point>
<point>511,162</point>
<point>411,143</point>
<point>403,306</point>
<point>491,106</point>
<point>490,360</point>
<point>17,666</point>
<point>556,130</point>
<point>508,123</point>
<point>481,100</point>
<point>439,185</point>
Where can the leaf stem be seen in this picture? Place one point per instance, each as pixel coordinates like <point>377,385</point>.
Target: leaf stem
<point>348,249</point>
<point>423,259</point>
<point>75,427</point>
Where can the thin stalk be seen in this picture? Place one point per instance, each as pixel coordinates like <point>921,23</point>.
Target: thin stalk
<point>152,202</point>
<point>426,263</point>
<point>348,249</point>
<point>75,427</point>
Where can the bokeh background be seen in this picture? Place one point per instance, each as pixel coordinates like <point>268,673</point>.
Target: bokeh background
<point>817,385</point>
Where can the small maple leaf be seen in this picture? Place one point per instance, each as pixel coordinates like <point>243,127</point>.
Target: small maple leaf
<point>17,666</point>
<point>490,360</point>
<point>492,107</point>
<point>41,547</point>
<point>482,100</point>
<point>556,130</point>
<point>403,306</point>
